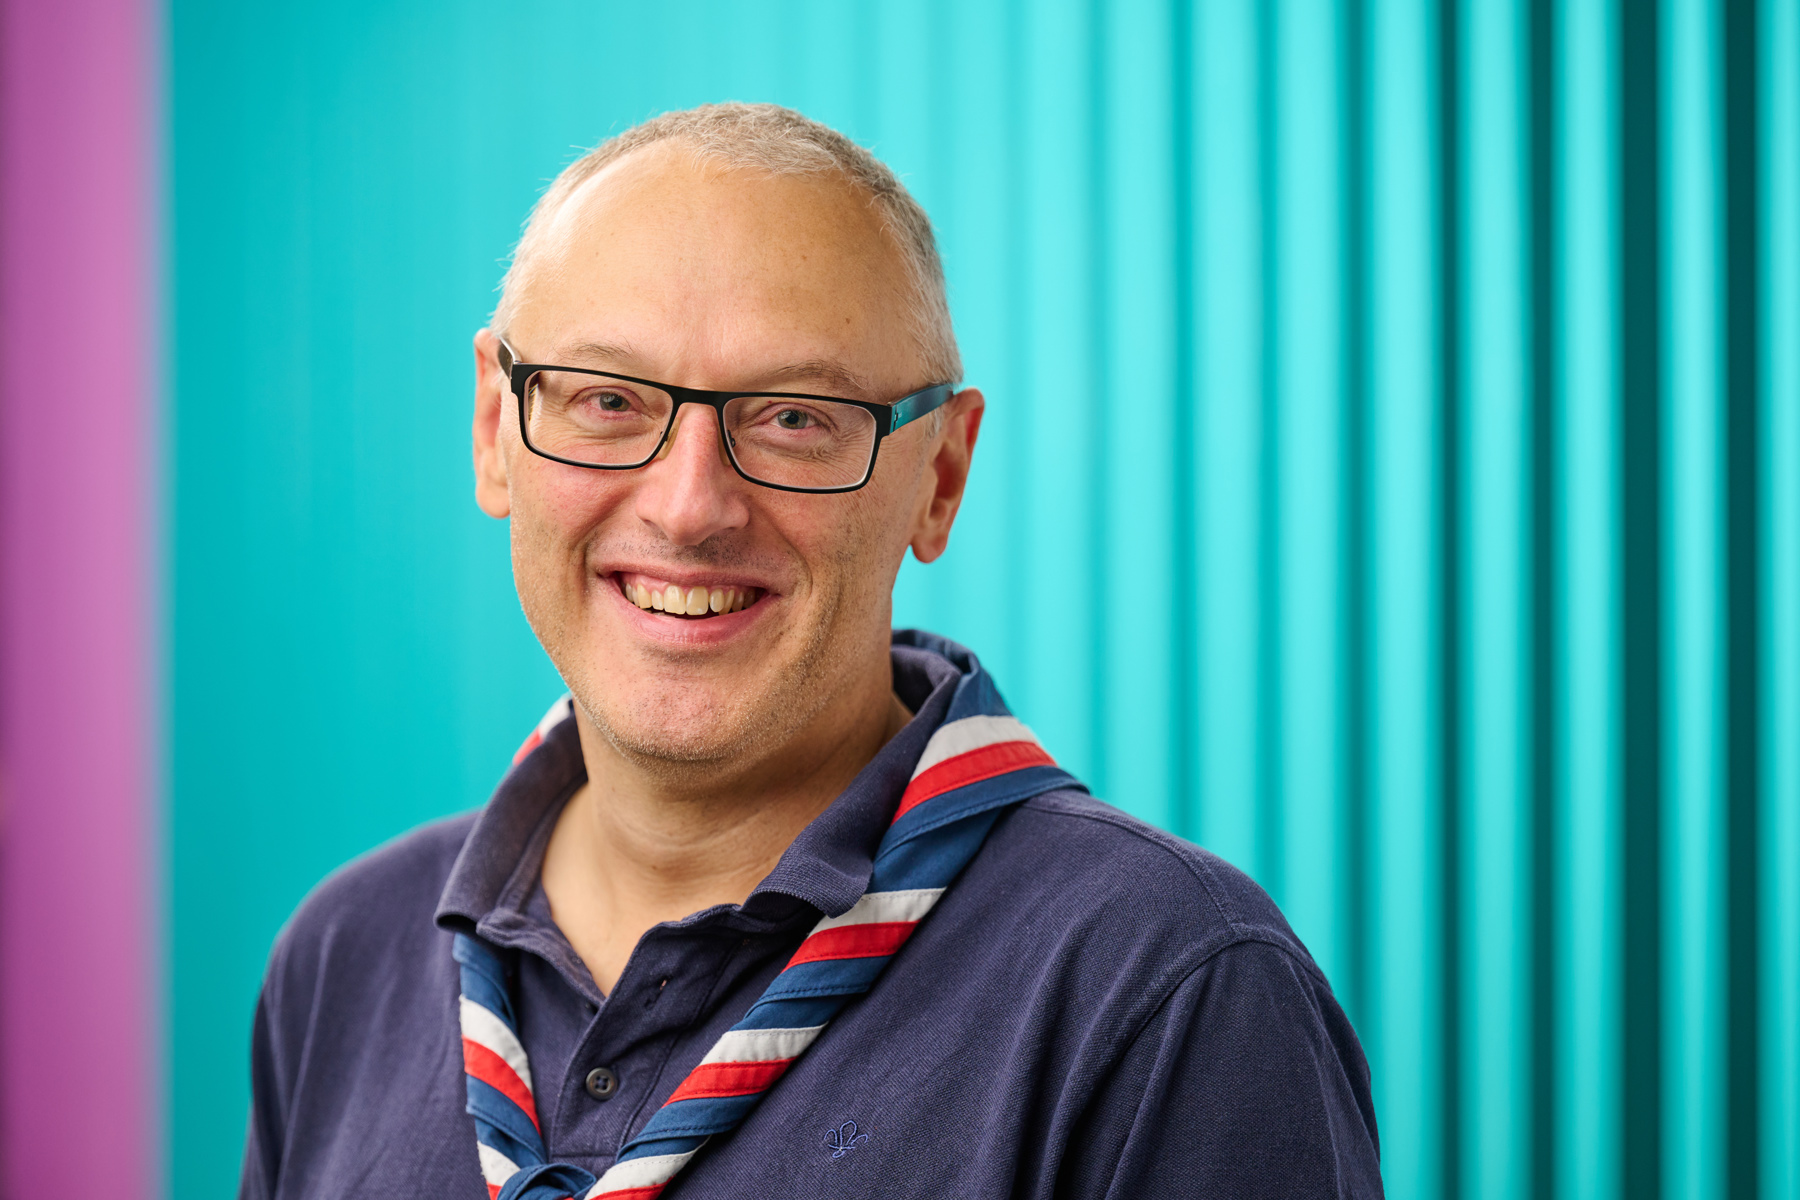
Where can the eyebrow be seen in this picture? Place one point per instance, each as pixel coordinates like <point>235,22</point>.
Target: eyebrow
<point>579,352</point>
<point>827,371</point>
<point>831,373</point>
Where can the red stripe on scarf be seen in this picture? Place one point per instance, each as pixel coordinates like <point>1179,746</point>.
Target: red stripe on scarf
<point>853,941</point>
<point>498,1074</point>
<point>972,767</point>
<point>531,743</point>
<point>709,1081</point>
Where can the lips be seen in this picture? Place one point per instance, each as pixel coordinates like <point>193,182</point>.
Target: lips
<point>696,600</point>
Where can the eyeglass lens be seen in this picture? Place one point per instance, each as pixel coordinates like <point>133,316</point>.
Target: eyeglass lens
<point>774,439</point>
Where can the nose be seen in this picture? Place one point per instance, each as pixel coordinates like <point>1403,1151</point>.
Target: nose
<point>690,491</point>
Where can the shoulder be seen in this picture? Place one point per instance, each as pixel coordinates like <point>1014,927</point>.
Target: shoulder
<point>1182,948</point>
<point>375,903</point>
<point>1124,942</point>
<point>357,1018</point>
<point>1093,863</point>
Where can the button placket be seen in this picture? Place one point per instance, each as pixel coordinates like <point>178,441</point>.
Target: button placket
<point>655,1007</point>
<point>627,1027</point>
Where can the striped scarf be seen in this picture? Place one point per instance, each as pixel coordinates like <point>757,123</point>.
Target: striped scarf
<point>978,762</point>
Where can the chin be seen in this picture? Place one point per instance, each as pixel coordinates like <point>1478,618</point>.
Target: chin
<point>694,727</point>
<point>686,709</point>
<point>737,706</point>
<point>691,724</point>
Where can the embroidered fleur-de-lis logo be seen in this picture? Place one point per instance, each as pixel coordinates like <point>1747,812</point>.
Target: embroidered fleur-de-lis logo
<point>844,1139</point>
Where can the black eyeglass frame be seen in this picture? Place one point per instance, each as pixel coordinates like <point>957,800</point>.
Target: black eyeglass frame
<point>888,417</point>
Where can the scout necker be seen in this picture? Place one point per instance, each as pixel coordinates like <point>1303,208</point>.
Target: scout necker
<point>778,902</point>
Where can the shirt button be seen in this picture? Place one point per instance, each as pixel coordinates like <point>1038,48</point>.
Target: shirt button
<point>602,1084</point>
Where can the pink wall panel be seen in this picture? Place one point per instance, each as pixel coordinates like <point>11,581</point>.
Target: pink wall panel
<point>79,1003</point>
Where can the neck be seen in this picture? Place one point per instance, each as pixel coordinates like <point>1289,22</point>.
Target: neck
<point>637,845</point>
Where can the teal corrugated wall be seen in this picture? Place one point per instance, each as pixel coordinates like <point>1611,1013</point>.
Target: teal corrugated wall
<point>1391,481</point>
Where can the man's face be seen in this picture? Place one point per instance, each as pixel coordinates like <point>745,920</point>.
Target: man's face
<point>665,269</point>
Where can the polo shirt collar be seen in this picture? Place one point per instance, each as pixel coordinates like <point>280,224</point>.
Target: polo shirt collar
<point>826,868</point>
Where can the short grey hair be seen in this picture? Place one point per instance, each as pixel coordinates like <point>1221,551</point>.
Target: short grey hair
<point>779,141</point>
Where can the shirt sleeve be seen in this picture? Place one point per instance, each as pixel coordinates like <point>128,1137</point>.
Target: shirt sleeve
<point>1248,1081</point>
<point>263,1143</point>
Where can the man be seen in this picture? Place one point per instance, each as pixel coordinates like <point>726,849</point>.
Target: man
<point>780,904</point>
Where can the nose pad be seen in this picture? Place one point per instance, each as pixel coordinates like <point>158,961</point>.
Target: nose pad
<point>668,442</point>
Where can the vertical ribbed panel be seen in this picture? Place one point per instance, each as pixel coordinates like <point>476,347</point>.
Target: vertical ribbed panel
<point>1391,480</point>
<point>1403,1029</point>
<point>1694,964</point>
<point>1229,429</point>
<point>1495,458</point>
<point>1586,872</point>
<point>1776,862</point>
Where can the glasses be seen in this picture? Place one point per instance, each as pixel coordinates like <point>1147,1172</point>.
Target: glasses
<point>790,441</point>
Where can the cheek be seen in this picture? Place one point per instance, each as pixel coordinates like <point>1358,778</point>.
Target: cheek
<point>560,497</point>
<point>549,590</point>
<point>555,512</point>
<point>864,546</point>
<point>888,505</point>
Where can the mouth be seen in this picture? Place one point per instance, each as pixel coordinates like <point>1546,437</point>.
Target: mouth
<point>690,602</point>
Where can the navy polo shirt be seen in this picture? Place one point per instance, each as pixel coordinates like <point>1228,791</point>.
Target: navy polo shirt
<point>1093,1009</point>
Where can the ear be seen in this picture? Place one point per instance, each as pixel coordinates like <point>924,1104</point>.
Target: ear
<point>946,474</point>
<point>491,391</point>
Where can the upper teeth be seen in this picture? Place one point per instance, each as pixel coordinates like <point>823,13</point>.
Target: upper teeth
<point>688,601</point>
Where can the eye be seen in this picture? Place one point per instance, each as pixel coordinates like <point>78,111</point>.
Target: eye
<point>795,418</point>
<point>615,402</point>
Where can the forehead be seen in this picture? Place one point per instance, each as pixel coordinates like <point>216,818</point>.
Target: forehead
<point>704,268</point>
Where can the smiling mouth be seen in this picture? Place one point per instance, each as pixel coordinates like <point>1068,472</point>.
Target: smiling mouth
<point>690,603</point>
